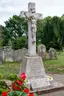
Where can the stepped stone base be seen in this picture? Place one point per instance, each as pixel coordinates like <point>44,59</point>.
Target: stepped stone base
<point>37,78</point>
<point>54,86</point>
<point>35,72</point>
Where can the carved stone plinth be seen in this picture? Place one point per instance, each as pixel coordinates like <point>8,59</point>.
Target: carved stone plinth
<point>34,69</point>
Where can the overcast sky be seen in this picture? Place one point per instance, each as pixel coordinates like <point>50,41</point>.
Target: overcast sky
<point>9,8</point>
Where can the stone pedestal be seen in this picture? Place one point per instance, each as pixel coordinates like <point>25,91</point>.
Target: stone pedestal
<point>35,72</point>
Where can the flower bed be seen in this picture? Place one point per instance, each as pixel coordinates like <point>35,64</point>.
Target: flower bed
<point>16,88</point>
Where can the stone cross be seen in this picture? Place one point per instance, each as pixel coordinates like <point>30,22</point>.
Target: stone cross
<point>32,18</point>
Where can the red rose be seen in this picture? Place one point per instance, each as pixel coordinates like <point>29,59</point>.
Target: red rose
<point>15,87</point>
<point>31,94</point>
<point>26,90</point>
<point>23,76</point>
<point>19,82</point>
<point>4,94</point>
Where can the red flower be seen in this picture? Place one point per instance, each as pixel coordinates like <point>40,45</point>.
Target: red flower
<point>31,94</point>
<point>19,82</point>
<point>23,76</point>
<point>26,90</point>
<point>15,87</point>
<point>4,94</point>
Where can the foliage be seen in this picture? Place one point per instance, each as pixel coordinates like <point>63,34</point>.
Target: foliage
<point>1,76</point>
<point>18,87</point>
<point>39,32</point>
<point>50,31</point>
<point>1,37</point>
<point>15,28</point>
<point>19,43</point>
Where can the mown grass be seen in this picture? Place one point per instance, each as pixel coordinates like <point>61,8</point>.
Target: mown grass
<point>9,68</point>
<point>55,66</point>
<point>51,66</point>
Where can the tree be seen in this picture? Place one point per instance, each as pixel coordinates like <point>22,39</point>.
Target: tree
<point>1,35</point>
<point>48,34</point>
<point>20,42</point>
<point>39,31</point>
<point>15,27</point>
<point>56,30</point>
<point>62,30</point>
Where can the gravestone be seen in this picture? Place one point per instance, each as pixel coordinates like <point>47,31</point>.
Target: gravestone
<point>52,53</point>
<point>32,65</point>
<point>17,55</point>
<point>23,65</point>
<point>42,51</point>
<point>8,54</point>
<point>24,53</point>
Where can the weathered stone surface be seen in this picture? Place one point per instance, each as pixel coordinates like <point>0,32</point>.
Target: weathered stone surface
<point>13,55</point>
<point>52,53</point>
<point>17,55</point>
<point>32,18</point>
<point>23,65</point>
<point>8,54</point>
<point>34,69</point>
<point>42,51</point>
<point>24,53</point>
<point>32,64</point>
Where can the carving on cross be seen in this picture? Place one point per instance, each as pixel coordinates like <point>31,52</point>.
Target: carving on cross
<point>32,17</point>
<point>33,29</point>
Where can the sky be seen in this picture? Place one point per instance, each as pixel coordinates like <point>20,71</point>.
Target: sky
<point>8,8</point>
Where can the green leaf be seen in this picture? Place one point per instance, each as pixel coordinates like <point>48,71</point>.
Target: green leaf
<point>35,94</point>
<point>17,93</point>
<point>13,77</point>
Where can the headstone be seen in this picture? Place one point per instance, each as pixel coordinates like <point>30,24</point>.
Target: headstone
<point>42,51</point>
<point>23,65</point>
<point>24,53</point>
<point>52,53</point>
<point>8,54</point>
<point>32,65</point>
<point>17,55</point>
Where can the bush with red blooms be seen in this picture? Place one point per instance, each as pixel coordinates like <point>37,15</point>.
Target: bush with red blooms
<point>18,87</point>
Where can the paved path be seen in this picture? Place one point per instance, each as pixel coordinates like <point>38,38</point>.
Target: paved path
<point>59,78</point>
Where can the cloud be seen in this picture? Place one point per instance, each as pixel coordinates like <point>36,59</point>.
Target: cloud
<point>9,8</point>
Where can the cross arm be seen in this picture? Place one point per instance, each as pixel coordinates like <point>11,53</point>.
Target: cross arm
<point>38,16</point>
<point>24,14</point>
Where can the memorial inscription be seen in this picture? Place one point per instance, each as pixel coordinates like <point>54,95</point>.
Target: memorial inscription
<point>36,68</point>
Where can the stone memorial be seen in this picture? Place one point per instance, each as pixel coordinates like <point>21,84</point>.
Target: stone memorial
<point>8,54</point>
<point>42,51</point>
<point>52,53</point>
<point>24,53</point>
<point>17,55</point>
<point>33,65</point>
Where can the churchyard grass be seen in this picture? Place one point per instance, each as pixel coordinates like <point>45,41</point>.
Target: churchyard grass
<point>51,66</point>
<point>55,66</point>
<point>9,68</point>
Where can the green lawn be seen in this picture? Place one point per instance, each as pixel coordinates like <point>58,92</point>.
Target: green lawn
<point>55,66</point>
<point>9,68</point>
<point>51,66</point>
